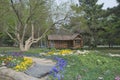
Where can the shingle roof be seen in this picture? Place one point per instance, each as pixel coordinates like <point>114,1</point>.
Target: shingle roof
<point>62,37</point>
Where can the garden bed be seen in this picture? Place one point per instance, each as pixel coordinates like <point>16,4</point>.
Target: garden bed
<point>92,65</point>
<point>86,64</point>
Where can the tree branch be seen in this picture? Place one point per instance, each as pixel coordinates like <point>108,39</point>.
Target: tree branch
<point>24,31</point>
<point>57,22</point>
<point>16,12</point>
<point>11,36</point>
<point>32,32</point>
<point>32,11</point>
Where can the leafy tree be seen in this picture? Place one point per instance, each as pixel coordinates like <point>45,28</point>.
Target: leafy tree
<point>88,19</point>
<point>28,21</point>
<point>112,25</point>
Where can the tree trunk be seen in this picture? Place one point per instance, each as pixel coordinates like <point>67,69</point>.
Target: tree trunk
<point>21,45</point>
<point>25,47</point>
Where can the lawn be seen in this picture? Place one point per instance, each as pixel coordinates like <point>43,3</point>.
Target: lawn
<point>95,65</point>
<point>91,67</point>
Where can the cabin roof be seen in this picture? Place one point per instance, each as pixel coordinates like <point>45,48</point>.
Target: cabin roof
<point>62,37</point>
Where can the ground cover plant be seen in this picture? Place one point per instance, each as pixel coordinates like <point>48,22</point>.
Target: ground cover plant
<point>16,61</point>
<point>92,66</point>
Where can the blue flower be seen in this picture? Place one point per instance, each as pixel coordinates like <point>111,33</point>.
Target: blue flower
<point>57,70</point>
<point>58,76</point>
<point>17,54</point>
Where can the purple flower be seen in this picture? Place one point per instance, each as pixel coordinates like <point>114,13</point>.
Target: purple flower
<point>61,62</point>
<point>117,78</point>
<point>58,76</point>
<point>17,54</point>
<point>57,70</point>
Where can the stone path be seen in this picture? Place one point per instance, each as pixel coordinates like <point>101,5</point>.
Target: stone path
<point>36,72</point>
<point>40,68</point>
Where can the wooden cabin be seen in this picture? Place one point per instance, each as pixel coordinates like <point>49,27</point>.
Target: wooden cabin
<point>65,41</point>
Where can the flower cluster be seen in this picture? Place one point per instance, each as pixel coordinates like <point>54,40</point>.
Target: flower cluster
<point>16,58</point>
<point>61,52</point>
<point>16,61</point>
<point>65,52</point>
<point>17,54</point>
<point>117,78</point>
<point>51,53</point>
<point>57,70</point>
<point>24,65</point>
<point>5,59</point>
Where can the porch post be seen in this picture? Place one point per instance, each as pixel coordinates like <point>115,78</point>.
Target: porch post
<point>73,43</point>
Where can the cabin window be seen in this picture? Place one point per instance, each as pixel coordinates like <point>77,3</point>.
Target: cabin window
<point>51,43</point>
<point>77,42</point>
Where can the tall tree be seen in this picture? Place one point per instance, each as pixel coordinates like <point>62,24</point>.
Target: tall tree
<point>112,24</point>
<point>89,17</point>
<point>3,12</point>
<point>29,21</point>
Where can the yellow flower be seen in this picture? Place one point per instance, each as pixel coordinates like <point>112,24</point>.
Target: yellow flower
<point>64,52</point>
<point>24,65</point>
<point>50,53</point>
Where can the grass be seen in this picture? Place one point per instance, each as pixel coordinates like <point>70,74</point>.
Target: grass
<point>91,67</point>
<point>112,51</point>
<point>9,49</point>
<point>16,49</point>
<point>39,50</point>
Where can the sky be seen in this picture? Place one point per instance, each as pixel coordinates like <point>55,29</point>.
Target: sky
<point>107,3</point>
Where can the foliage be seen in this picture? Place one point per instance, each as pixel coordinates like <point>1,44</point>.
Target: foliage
<point>6,40</point>
<point>88,20</point>
<point>92,66</point>
<point>112,25</point>
<point>23,19</point>
<point>97,26</point>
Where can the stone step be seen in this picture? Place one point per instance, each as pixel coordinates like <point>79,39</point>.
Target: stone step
<point>39,70</point>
